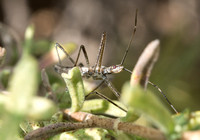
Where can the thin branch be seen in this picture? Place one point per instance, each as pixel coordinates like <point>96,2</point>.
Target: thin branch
<point>115,124</point>
<point>53,129</point>
<point>47,86</point>
<point>87,120</point>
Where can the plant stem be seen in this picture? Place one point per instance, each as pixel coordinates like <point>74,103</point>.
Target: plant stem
<point>88,120</point>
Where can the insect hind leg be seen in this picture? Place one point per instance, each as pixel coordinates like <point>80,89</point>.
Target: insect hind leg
<point>112,88</point>
<point>109,100</point>
<point>103,96</point>
<point>95,89</point>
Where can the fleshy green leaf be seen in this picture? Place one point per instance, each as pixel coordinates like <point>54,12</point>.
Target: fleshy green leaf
<point>75,86</point>
<point>100,106</point>
<point>28,39</point>
<point>40,47</point>
<point>3,100</point>
<point>41,109</point>
<point>149,106</point>
<point>23,85</point>
<point>4,76</point>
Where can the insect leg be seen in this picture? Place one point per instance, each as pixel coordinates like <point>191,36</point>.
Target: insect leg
<point>85,55</point>
<point>103,96</point>
<point>112,88</point>
<point>100,53</point>
<point>95,89</point>
<point>109,100</point>
<point>68,56</point>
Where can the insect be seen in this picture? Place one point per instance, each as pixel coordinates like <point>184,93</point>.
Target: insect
<point>99,72</point>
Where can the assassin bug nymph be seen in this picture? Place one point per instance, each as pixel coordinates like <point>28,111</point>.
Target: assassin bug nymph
<point>99,72</point>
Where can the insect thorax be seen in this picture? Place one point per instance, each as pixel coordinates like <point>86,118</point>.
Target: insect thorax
<point>98,73</point>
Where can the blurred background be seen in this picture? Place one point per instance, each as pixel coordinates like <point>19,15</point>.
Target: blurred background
<point>175,22</point>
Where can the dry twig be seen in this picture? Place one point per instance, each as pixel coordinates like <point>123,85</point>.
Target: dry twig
<point>89,121</point>
<point>47,86</point>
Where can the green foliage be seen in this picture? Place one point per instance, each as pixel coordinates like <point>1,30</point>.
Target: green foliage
<point>100,106</point>
<point>148,105</point>
<point>76,89</point>
<point>19,87</point>
<point>124,136</point>
<point>4,77</point>
<point>64,100</point>
<point>185,121</point>
<point>40,47</point>
<point>21,103</point>
<point>84,134</point>
<point>22,108</point>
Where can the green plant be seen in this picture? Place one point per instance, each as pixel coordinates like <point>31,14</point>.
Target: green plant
<point>23,114</point>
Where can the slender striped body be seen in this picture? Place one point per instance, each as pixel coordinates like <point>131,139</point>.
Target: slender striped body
<point>92,72</point>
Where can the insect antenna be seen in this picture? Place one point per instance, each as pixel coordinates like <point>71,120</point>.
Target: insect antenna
<point>163,94</point>
<point>131,39</point>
